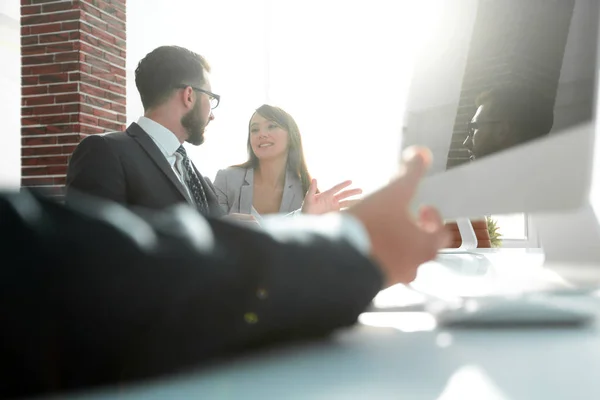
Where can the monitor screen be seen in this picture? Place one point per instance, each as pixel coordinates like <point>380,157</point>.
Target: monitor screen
<point>491,75</point>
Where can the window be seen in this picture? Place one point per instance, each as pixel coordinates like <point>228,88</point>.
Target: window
<point>343,79</point>
<point>516,230</point>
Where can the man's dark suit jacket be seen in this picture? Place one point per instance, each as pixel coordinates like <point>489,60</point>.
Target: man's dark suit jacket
<point>129,168</point>
<point>93,294</point>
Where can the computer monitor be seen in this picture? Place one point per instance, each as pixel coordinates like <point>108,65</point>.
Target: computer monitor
<point>549,51</point>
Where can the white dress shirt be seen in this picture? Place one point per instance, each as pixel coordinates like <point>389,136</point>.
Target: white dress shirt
<point>351,228</point>
<point>168,144</point>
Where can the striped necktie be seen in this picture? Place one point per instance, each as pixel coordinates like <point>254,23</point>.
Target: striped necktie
<point>192,181</point>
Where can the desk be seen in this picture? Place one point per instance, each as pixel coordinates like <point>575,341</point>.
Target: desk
<point>414,360</point>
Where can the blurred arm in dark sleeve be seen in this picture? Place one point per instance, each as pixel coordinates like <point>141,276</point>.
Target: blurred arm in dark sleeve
<point>94,294</point>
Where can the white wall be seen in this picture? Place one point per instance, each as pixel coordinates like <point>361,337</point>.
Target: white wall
<point>10,94</point>
<point>340,67</point>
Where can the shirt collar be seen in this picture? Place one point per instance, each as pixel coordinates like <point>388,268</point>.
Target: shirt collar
<point>164,138</point>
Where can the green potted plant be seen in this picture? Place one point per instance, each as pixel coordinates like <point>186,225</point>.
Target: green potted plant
<point>495,236</point>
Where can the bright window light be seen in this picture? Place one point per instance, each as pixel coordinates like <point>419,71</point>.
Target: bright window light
<point>511,226</point>
<point>340,68</point>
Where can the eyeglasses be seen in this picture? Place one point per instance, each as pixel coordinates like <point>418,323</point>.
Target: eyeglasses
<point>473,126</point>
<point>214,98</point>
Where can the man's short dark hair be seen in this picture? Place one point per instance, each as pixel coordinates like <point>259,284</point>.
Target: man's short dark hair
<point>163,69</point>
<point>531,112</point>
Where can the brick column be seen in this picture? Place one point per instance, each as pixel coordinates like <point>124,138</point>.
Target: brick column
<point>73,82</point>
<point>513,41</point>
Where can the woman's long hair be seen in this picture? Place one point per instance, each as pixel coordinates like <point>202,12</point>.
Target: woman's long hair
<point>295,160</point>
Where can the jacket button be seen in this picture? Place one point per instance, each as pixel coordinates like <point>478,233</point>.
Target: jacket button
<point>262,294</point>
<point>251,318</point>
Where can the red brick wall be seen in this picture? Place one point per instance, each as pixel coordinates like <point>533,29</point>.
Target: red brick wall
<point>73,82</point>
<point>513,41</point>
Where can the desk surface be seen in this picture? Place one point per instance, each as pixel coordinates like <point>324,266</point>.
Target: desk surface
<point>403,355</point>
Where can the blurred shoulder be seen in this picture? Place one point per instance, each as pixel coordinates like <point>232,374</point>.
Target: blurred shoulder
<point>231,177</point>
<point>233,172</point>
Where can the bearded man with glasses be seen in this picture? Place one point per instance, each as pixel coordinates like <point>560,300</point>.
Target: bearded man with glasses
<point>146,165</point>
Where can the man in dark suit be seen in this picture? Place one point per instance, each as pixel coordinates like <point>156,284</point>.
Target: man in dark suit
<point>147,165</point>
<point>93,294</point>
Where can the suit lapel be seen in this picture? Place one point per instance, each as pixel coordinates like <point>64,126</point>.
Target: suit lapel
<point>288,193</point>
<point>146,142</point>
<point>247,192</point>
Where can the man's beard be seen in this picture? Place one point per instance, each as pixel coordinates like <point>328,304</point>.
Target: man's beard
<point>194,125</point>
